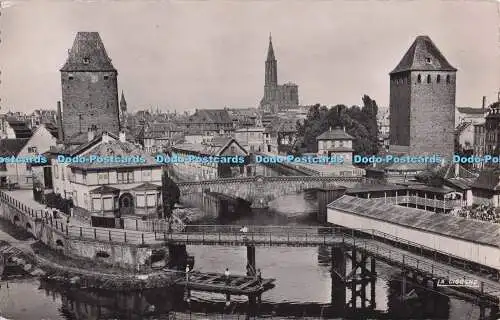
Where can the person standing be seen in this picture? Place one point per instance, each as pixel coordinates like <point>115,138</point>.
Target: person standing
<point>227,274</point>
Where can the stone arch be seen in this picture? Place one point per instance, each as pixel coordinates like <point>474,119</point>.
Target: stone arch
<point>16,219</point>
<point>59,243</point>
<point>419,79</point>
<point>102,254</point>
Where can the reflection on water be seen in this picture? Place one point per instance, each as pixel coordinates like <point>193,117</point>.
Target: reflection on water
<point>303,289</point>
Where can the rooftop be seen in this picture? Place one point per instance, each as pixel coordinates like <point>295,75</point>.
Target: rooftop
<point>11,147</point>
<point>471,230</point>
<point>335,134</point>
<point>423,55</point>
<point>88,54</point>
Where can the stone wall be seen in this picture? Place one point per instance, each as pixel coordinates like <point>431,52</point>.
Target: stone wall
<point>115,253</point>
<point>89,98</point>
<point>265,188</point>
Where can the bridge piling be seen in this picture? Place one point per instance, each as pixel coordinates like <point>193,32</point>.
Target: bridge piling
<point>338,274</point>
<point>251,270</point>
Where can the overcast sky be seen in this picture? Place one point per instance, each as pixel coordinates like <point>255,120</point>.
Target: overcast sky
<point>186,54</point>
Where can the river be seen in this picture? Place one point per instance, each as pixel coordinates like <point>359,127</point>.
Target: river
<point>303,286</point>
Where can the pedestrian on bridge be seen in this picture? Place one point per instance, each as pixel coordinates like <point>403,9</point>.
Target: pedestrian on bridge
<point>187,272</point>
<point>47,212</point>
<point>226,275</point>
<point>244,230</point>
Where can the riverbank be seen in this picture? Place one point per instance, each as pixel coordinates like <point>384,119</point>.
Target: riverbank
<point>80,272</point>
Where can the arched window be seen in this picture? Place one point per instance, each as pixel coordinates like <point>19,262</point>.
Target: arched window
<point>438,78</point>
<point>419,79</point>
<point>428,78</point>
<point>448,79</point>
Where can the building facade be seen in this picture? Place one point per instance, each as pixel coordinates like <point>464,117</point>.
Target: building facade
<point>209,170</point>
<point>277,97</point>
<point>89,90</point>
<point>336,143</point>
<point>252,139</point>
<point>422,102</point>
<point>112,189</point>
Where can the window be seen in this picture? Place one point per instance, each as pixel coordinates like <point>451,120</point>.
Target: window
<point>438,78</point>
<point>151,200</point>
<point>56,172</point>
<point>448,79</point>
<point>108,204</point>
<point>96,204</point>
<point>103,178</point>
<point>419,79</point>
<point>428,78</point>
<point>146,175</point>
<point>32,149</point>
<point>125,176</point>
<point>106,77</point>
<point>86,60</point>
<point>428,60</point>
<point>140,201</point>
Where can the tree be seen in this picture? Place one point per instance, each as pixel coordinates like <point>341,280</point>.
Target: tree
<point>361,123</point>
<point>170,193</point>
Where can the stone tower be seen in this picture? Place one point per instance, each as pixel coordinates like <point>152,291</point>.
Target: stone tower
<point>89,89</point>
<point>422,102</point>
<point>277,97</point>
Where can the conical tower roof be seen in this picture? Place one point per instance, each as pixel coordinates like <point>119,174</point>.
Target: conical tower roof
<point>270,50</point>
<point>88,54</point>
<point>423,55</point>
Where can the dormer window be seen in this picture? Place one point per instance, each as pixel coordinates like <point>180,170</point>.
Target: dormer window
<point>428,60</point>
<point>86,60</point>
<point>70,77</point>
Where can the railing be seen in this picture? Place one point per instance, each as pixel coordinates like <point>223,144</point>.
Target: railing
<point>434,203</point>
<point>371,240</point>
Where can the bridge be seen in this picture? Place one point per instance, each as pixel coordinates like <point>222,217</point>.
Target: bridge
<point>259,190</point>
<point>425,265</point>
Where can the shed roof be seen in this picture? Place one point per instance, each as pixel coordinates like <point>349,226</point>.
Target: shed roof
<point>471,230</point>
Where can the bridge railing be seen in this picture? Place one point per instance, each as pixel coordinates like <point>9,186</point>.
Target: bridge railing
<point>432,268</point>
<point>265,230</point>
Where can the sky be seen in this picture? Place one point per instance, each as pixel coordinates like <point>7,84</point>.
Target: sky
<point>181,55</point>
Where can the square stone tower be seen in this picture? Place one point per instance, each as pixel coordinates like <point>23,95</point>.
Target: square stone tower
<point>89,90</point>
<point>422,102</point>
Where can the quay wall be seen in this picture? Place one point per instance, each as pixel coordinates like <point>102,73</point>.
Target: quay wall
<point>54,235</point>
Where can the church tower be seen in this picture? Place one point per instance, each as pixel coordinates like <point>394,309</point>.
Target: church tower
<point>123,111</point>
<point>422,102</point>
<point>89,90</point>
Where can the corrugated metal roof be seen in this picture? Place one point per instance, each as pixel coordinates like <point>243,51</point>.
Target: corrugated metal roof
<point>472,230</point>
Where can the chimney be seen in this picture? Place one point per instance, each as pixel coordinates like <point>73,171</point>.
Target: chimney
<point>91,133</point>
<point>457,170</point>
<point>484,102</point>
<point>123,137</point>
<point>60,133</point>
<point>105,137</point>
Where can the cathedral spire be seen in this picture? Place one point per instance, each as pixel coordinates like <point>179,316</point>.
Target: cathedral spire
<point>270,50</point>
<point>123,103</point>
